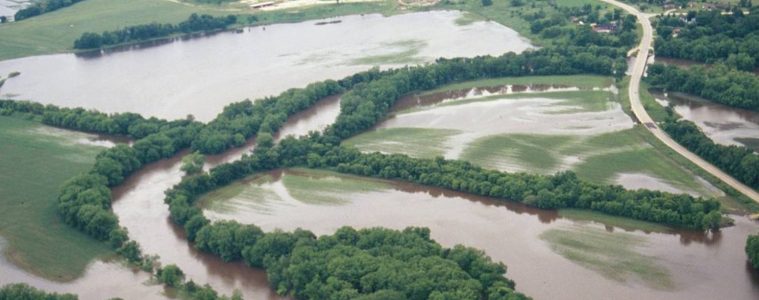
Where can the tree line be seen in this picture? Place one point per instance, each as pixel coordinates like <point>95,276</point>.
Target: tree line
<point>22,291</point>
<point>719,83</point>
<point>195,23</point>
<point>711,37</point>
<point>740,162</point>
<point>43,6</point>
<point>752,250</point>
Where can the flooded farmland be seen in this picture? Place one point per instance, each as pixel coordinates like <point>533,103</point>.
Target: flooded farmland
<point>666,264</point>
<point>189,77</point>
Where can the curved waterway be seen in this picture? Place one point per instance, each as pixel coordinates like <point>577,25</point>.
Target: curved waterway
<point>200,76</point>
<point>549,256</point>
<point>139,205</point>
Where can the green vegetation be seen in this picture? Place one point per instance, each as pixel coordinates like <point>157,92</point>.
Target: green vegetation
<point>613,255</point>
<point>599,158</point>
<point>532,153</point>
<point>718,83</point>
<point>609,220</point>
<point>416,142</point>
<point>323,187</point>
<point>657,112</point>
<point>752,250</point>
<point>405,52</point>
<point>33,165</point>
<point>22,291</point>
<point>580,81</point>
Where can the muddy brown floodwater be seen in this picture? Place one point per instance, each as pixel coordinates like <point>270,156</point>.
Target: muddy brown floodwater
<point>200,76</point>
<point>695,265</point>
<point>723,124</point>
<point>139,205</point>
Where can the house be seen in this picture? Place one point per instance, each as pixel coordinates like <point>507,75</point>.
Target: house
<point>605,28</point>
<point>262,4</point>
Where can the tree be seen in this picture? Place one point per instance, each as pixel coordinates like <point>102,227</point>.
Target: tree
<point>193,163</point>
<point>487,2</point>
<point>170,275</point>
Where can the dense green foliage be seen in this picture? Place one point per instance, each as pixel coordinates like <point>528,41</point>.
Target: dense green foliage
<point>719,83</point>
<point>22,291</point>
<point>41,7</point>
<point>558,26</point>
<point>195,23</point>
<point>740,162</point>
<point>711,37</point>
<point>752,250</point>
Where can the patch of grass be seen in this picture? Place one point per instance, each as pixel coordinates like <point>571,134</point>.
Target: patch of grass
<point>580,81</point>
<point>240,195</point>
<point>416,142</point>
<point>637,156</point>
<point>33,166</point>
<point>468,18</point>
<point>612,254</point>
<point>620,222</point>
<point>324,187</point>
<point>654,109</point>
<point>404,52</point>
<point>535,153</point>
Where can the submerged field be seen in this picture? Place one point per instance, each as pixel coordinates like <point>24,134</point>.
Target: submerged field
<point>533,124</point>
<point>34,161</point>
<point>541,248</point>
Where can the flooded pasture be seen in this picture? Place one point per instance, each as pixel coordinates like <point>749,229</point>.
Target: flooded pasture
<point>199,76</point>
<point>723,124</point>
<point>102,280</point>
<point>670,264</point>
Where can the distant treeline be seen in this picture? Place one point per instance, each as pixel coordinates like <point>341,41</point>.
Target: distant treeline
<point>740,162</point>
<point>22,291</point>
<point>195,23</point>
<point>711,37</point>
<point>719,83</point>
<point>42,6</point>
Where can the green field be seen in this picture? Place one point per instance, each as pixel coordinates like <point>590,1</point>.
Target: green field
<point>609,220</point>
<point>303,185</point>
<point>34,163</point>
<point>614,255</point>
<point>415,142</point>
<point>580,81</point>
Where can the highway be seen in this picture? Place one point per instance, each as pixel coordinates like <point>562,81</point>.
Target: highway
<point>639,68</point>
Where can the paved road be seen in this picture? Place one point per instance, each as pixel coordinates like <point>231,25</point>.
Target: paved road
<point>640,112</point>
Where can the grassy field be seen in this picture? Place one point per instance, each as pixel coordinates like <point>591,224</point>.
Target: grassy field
<point>415,142</point>
<point>598,158</point>
<point>304,185</point>
<point>33,165</point>
<point>580,81</point>
<point>620,222</point>
<point>613,255</point>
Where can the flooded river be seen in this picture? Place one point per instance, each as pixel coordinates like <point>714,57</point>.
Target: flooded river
<point>9,8</point>
<point>140,208</point>
<point>723,124</point>
<point>199,76</point>
<point>648,265</point>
